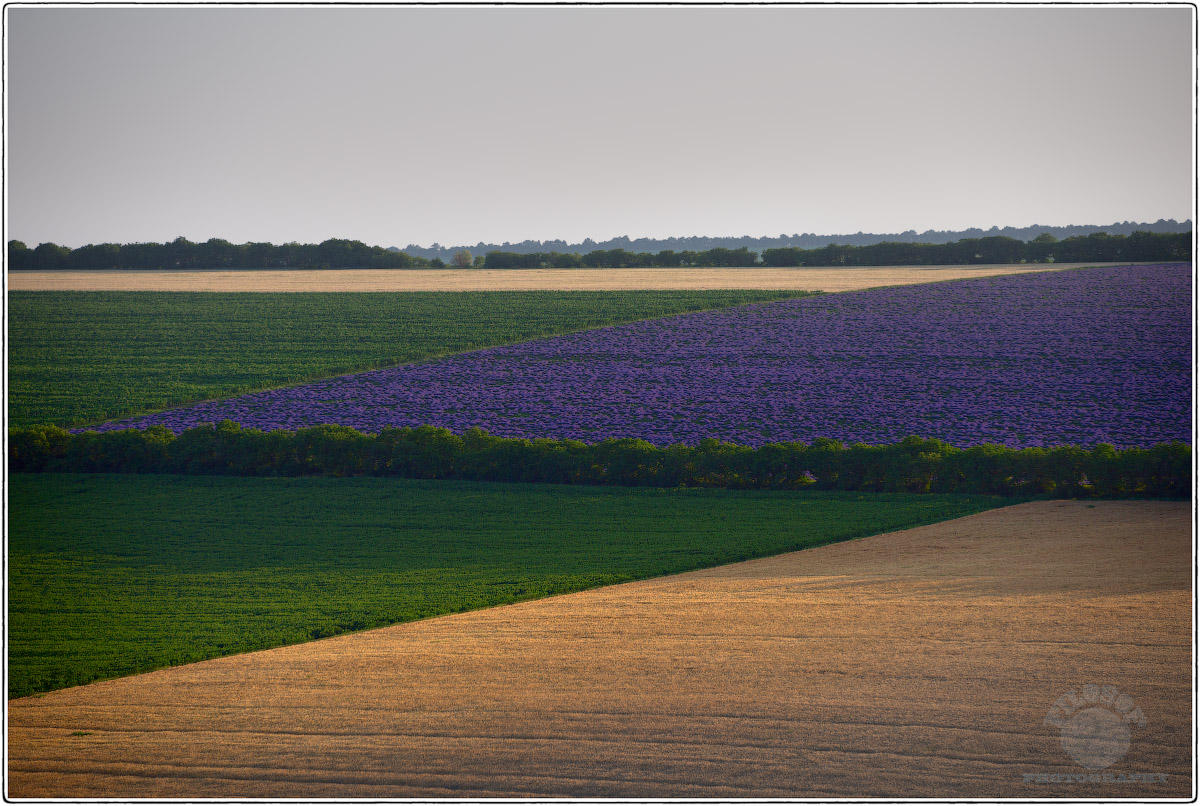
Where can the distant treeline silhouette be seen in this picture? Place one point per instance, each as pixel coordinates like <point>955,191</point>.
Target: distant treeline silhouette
<point>338,254</point>
<point>619,259</point>
<point>1100,247</point>
<point>807,240</point>
<point>911,465</point>
<point>215,253</point>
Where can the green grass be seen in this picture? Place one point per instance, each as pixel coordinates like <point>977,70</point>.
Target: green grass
<point>82,357</point>
<point>111,575</point>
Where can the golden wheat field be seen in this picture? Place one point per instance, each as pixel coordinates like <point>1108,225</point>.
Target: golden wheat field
<point>918,663</point>
<point>816,279</point>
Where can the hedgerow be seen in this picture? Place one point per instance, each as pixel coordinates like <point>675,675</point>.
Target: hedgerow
<point>912,465</point>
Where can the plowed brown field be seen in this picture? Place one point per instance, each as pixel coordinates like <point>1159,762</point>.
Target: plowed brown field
<point>919,663</point>
<point>506,280</point>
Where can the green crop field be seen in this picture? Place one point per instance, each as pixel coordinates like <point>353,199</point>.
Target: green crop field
<point>82,357</point>
<point>111,575</point>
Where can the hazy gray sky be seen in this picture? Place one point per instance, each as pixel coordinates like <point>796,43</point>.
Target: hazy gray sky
<point>412,125</point>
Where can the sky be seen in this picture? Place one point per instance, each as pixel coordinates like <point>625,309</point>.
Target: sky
<point>456,125</point>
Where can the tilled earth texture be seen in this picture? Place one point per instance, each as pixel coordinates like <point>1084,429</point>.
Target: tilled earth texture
<point>1036,651</point>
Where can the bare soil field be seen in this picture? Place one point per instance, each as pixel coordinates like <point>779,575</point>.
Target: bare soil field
<point>918,663</point>
<point>816,279</point>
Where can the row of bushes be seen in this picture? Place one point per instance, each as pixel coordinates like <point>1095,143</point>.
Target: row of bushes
<point>912,465</point>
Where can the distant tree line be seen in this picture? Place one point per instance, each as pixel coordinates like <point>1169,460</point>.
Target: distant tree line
<point>619,259</point>
<point>338,254</point>
<point>911,465</point>
<point>1101,247</point>
<point>805,240</point>
<point>214,253</point>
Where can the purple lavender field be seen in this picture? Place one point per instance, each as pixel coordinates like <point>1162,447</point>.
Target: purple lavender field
<point>1075,357</point>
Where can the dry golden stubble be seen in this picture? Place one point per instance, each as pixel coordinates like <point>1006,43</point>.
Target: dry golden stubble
<point>917,663</point>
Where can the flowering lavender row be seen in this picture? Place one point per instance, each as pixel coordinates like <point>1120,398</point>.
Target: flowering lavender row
<point>1074,357</point>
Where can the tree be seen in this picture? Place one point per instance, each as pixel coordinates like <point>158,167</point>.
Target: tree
<point>783,256</point>
<point>462,259</point>
<point>1041,248</point>
<point>339,253</point>
<point>215,253</point>
<point>19,255</point>
<point>50,256</point>
<point>96,256</point>
<point>181,253</point>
